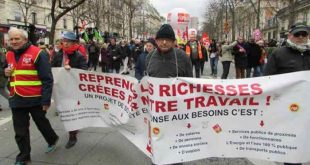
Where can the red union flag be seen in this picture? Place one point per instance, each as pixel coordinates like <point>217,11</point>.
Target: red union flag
<point>205,39</point>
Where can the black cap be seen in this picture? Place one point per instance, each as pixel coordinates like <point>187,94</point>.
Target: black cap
<point>299,27</point>
<point>165,31</point>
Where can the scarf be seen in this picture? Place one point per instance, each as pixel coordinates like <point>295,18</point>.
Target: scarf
<point>20,51</point>
<point>301,48</point>
<point>70,50</point>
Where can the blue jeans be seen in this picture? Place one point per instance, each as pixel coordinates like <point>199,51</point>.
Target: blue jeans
<point>213,62</point>
<point>256,73</point>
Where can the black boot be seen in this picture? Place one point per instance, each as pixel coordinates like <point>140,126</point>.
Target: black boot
<point>72,141</point>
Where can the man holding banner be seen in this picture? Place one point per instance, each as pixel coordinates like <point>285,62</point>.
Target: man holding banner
<point>70,57</point>
<point>167,61</point>
<point>293,57</point>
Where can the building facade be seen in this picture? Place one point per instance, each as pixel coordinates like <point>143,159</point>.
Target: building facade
<point>21,13</point>
<point>275,18</point>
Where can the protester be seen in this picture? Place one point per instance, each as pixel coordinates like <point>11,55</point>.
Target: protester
<point>293,57</point>
<point>115,53</point>
<point>125,51</point>
<point>105,59</point>
<point>167,61</point>
<point>240,58</point>
<point>3,79</point>
<point>150,45</point>
<point>254,53</point>
<point>193,50</point>
<point>70,57</point>
<point>31,95</point>
<point>214,56</point>
<point>204,59</point>
<point>93,51</point>
<point>263,56</point>
<point>56,49</point>
<point>227,57</point>
<point>136,50</point>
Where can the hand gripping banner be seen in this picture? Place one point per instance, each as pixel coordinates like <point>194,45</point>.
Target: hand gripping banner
<point>183,119</point>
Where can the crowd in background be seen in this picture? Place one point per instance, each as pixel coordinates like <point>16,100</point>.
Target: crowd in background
<point>248,56</point>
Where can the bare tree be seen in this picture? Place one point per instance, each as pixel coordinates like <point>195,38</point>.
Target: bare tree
<point>257,10</point>
<point>61,10</point>
<point>291,7</point>
<point>94,11</point>
<point>292,10</point>
<point>25,6</point>
<point>211,25</point>
<point>133,6</point>
<point>232,9</point>
<point>124,19</point>
<point>78,14</point>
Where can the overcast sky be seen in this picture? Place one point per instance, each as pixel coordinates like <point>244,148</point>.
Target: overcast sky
<point>194,7</point>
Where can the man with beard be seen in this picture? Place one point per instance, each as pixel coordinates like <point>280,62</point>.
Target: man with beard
<point>293,57</point>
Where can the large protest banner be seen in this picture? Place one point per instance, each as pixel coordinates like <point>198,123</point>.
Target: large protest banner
<point>183,119</point>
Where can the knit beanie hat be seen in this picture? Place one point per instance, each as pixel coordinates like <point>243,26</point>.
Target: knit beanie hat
<point>165,31</point>
<point>152,41</point>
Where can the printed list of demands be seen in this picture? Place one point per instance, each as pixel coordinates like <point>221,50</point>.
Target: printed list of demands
<point>262,141</point>
<point>78,114</point>
<point>187,143</point>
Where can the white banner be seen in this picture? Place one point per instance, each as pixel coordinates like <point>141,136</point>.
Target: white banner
<point>184,119</point>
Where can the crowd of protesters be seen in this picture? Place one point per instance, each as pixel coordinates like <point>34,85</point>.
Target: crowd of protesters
<point>156,57</point>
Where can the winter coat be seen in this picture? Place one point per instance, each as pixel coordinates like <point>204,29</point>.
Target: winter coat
<point>287,59</point>
<point>125,51</point>
<point>165,66</point>
<point>140,65</point>
<point>77,60</point>
<point>240,57</point>
<point>115,54</point>
<point>227,52</point>
<point>254,53</point>
<point>106,59</point>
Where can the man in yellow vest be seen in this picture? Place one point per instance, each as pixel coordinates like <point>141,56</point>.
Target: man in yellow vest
<point>193,50</point>
<point>31,84</point>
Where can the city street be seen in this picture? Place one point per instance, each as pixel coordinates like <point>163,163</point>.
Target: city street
<point>96,146</point>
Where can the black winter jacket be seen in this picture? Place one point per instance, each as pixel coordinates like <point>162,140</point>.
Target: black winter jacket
<point>165,66</point>
<point>77,60</point>
<point>286,60</point>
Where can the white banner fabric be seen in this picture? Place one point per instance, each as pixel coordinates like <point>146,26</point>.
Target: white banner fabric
<point>183,119</point>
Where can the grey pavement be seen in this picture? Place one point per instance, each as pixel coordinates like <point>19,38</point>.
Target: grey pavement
<point>96,146</point>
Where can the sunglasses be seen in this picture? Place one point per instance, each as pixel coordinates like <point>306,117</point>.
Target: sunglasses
<point>303,34</point>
